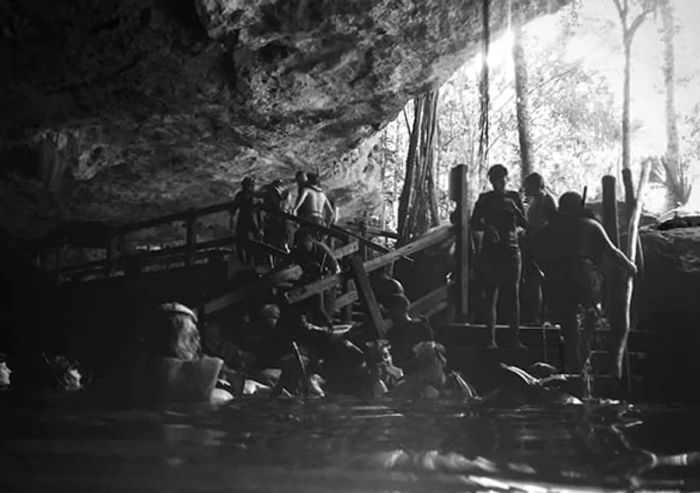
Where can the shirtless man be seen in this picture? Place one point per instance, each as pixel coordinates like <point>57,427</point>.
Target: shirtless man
<point>313,205</point>
<point>570,251</point>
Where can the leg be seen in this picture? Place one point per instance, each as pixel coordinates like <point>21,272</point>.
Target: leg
<point>491,300</point>
<point>512,280</point>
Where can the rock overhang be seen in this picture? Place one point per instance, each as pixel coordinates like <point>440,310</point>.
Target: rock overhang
<point>128,109</point>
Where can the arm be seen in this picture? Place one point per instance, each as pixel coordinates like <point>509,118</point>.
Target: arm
<point>620,258</point>
<point>477,220</point>
<point>519,210</point>
<point>331,211</point>
<point>300,201</point>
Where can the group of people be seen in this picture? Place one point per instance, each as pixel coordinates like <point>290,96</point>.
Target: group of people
<point>557,251</point>
<point>261,212</point>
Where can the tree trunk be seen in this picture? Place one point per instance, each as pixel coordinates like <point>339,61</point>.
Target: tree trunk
<point>418,209</point>
<point>484,90</point>
<point>675,180</point>
<point>521,102</point>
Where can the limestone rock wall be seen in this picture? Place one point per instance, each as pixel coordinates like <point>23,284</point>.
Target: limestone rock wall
<point>118,110</point>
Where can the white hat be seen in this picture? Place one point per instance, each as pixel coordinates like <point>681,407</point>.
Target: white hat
<point>175,307</point>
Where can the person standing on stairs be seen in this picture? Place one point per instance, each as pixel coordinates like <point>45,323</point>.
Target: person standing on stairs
<point>248,224</point>
<point>570,250</point>
<point>313,204</point>
<point>498,214</point>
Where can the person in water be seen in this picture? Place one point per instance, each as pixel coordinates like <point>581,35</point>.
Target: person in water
<point>540,210</point>
<point>498,214</point>
<point>313,204</point>
<point>570,250</point>
<point>248,223</point>
<point>430,378</point>
<point>174,368</point>
<point>405,331</point>
<point>5,373</point>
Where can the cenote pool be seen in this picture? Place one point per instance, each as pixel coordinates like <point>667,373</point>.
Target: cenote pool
<point>61,443</point>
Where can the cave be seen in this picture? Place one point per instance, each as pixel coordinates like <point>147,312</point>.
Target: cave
<point>129,130</point>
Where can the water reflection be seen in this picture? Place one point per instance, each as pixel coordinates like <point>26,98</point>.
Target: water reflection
<point>344,445</point>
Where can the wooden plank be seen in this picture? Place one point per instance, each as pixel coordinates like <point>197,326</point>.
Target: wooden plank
<point>346,250</point>
<point>190,237</point>
<point>346,300</point>
<point>424,303</point>
<point>432,237</point>
<point>303,292</point>
<point>334,231</point>
<point>462,243</point>
<point>366,293</point>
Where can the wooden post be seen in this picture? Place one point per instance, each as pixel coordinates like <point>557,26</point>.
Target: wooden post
<point>629,193</point>
<point>364,289</point>
<point>347,311</point>
<point>632,240</point>
<point>190,238</point>
<point>610,209</point>
<point>458,181</point>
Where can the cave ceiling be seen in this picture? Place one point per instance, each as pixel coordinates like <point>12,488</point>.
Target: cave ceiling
<point>120,110</point>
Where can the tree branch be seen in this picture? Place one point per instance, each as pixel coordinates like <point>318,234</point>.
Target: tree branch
<point>638,22</point>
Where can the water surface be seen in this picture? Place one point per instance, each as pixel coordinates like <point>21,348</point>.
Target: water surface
<point>64,443</point>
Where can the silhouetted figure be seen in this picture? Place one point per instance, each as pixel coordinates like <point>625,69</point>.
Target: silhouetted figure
<point>274,197</point>
<point>405,331</point>
<point>540,210</point>
<point>248,221</point>
<point>570,251</point>
<point>316,261</point>
<point>498,214</point>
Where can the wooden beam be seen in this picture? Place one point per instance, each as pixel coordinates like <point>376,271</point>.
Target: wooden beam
<point>303,292</point>
<point>430,300</point>
<point>432,237</point>
<point>346,300</point>
<point>190,236</point>
<point>462,243</point>
<point>366,293</point>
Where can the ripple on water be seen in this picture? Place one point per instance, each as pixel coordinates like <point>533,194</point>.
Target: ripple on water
<point>345,445</point>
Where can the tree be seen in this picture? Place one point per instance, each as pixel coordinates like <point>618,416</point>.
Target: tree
<point>629,25</point>
<point>484,101</point>
<point>418,209</point>
<point>676,180</point>
<point>521,101</point>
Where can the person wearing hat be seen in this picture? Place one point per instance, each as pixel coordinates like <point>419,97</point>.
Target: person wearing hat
<point>248,222</point>
<point>570,250</point>
<point>498,214</point>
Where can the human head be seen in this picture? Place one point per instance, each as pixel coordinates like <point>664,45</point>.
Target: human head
<point>304,239</point>
<point>269,316</point>
<point>430,362</point>
<point>497,176</point>
<point>300,177</point>
<point>312,179</point>
<point>5,372</point>
<point>175,333</point>
<point>398,306</point>
<point>248,183</point>
<point>571,204</point>
<point>533,184</point>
